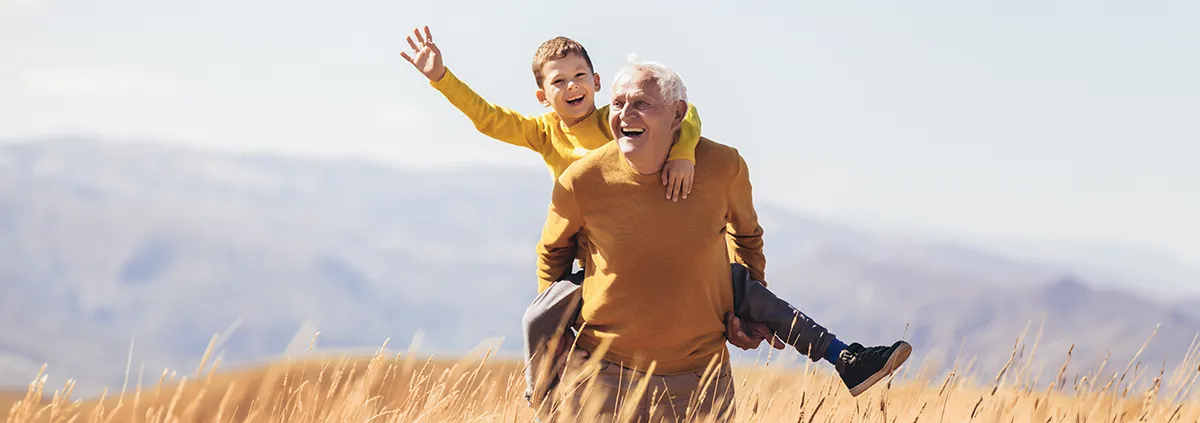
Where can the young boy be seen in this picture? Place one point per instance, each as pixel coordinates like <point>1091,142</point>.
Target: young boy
<point>567,83</point>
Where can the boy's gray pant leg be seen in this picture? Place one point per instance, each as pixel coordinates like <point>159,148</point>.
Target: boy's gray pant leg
<point>552,313</point>
<point>754,301</point>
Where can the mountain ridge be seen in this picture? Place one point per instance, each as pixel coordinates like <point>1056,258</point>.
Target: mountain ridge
<point>112,243</point>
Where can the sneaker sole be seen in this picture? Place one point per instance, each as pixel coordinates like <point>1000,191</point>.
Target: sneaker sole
<point>898,358</point>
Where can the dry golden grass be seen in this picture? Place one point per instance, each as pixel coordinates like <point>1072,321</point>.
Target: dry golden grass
<point>401,387</point>
<point>10,398</point>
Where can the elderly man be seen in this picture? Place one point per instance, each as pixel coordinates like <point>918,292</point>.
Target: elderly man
<point>657,286</point>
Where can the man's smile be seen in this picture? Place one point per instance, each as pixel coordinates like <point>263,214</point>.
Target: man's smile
<point>632,132</point>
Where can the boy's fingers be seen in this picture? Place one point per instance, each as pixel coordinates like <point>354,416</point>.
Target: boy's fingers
<point>417,32</point>
<point>428,36</point>
<point>405,56</point>
<point>687,186</point>
<point>413,45</point>
<point>678,188</point>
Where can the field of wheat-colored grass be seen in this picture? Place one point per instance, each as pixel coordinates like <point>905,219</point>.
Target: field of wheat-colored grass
<point>387,387</point>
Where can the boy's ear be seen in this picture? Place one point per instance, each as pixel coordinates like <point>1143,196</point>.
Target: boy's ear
<point>541,97</point>
<point>596,79</point>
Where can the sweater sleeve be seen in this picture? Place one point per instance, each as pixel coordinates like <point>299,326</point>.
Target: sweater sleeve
<point>559,243</point>
<point>744,233</point>
<point>689,136</point>
<point>489,119</point>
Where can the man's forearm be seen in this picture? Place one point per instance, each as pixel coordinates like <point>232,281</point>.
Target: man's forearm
<point>744,233</point>
<point>559,241</point>
<point>553,264</point>
<point>747,250</point>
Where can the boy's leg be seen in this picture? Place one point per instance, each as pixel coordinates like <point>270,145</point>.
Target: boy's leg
<point>551,314</point>
<point>755,302</point>
<point>859,367</point>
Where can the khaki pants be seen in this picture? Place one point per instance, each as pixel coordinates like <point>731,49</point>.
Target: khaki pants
<point>691,396</point>
<point>555,310</point>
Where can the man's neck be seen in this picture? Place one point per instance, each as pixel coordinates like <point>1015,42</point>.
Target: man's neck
<point>649,158</point>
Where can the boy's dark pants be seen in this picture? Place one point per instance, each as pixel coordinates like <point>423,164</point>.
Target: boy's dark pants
<point>554,311</point>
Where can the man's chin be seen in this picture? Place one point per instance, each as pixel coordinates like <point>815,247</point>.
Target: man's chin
<point>628,145</point>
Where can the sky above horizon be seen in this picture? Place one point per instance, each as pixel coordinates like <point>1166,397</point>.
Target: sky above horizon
<point>1028,123</point>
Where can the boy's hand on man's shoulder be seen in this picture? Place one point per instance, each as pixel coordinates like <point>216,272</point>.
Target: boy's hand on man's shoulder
<point>427,58</point>
<point>677,176</point>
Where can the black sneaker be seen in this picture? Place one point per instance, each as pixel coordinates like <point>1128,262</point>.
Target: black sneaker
<point>862,367</point>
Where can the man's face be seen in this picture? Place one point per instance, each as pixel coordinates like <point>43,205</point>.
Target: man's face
<point>640,116</point>
<point>569,87</point>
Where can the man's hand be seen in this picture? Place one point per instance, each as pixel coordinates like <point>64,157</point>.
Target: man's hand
<point>426,56</point>
<point>570,359</point>
<point>677,176</point>
<point>565,342</point>
<point>748,340</point>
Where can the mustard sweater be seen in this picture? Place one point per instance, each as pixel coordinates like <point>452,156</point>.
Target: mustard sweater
<point>558,144</point>
<point>657,275</point>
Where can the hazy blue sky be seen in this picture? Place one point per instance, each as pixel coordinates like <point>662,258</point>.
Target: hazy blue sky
<point>1064,121</point>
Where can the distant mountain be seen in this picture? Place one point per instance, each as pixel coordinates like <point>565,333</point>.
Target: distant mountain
<point>1191,308</point>
<point>111,244</point>
<point>1153,274</point>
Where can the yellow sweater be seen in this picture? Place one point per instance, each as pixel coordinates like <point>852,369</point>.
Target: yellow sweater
<point>657,275</point>
<point>559,144</point>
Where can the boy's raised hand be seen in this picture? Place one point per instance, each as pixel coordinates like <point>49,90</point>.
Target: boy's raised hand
<point>677,176</point>
<point>426,56</point>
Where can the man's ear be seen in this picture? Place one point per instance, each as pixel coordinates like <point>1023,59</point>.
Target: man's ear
<point>541,97</point>
<point>680,111</point>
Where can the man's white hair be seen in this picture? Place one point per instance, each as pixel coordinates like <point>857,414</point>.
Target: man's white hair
<point>669,83</point>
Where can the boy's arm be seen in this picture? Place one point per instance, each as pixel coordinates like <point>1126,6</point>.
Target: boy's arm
<point>494,121</point>
<point>680,169</point>
<point>556,250</point>
<point>689,136</point>
<point>744,234</point>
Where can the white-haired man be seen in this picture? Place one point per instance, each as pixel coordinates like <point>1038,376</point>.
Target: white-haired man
<point>657,285</point>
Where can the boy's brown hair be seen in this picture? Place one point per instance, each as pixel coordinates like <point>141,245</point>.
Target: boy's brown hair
<point>554,49</point>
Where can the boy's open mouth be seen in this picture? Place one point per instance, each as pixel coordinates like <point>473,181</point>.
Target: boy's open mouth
<point>574,101</point>
<point>633,132</point>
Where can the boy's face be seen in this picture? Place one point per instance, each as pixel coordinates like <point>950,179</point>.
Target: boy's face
<point>569,87</point>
